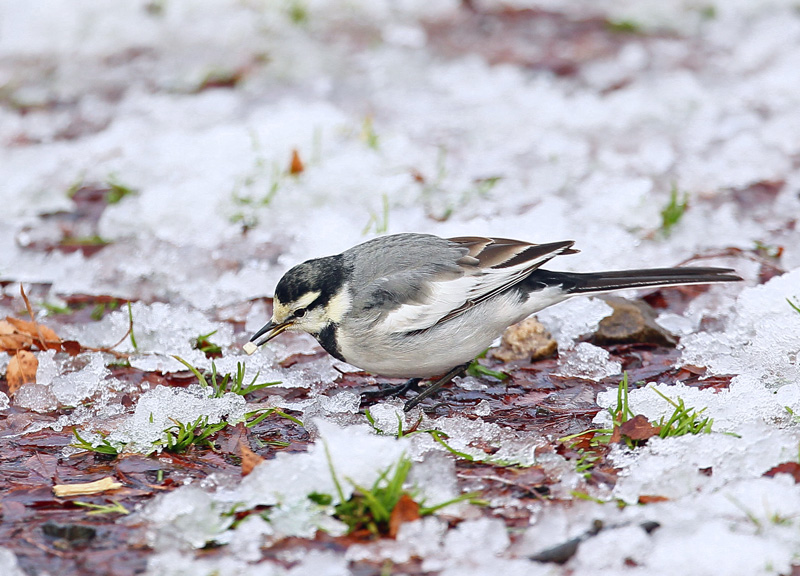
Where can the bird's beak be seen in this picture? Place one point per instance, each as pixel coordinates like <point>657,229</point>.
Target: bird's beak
<point>271,330</point>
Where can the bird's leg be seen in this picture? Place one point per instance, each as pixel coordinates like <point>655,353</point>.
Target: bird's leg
<point>434,386</point>
<point>397,390</point>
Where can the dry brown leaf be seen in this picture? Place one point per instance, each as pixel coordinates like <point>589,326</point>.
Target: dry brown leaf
<point>652,499</point>
<point>21,370</point>
<point>107,483</point>
<point>71,347</point>
<point>296,165</point>
<point>249,459</point>
<point>406,510</point>
<point>638,428</point>
<point>33,330</point>
<point>791,468</point>
<point>12,342</point>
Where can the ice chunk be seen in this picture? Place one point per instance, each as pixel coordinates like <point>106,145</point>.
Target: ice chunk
<point>160,330</point>
<point>71,388</point>
<point>157,410</point>
<point>675,323</point>
<point>347,402</point>
<point>614,549</point>
<point>320,563</point>
<point>36,397</point>
<point>462,432</point>
<point>180,563</point>
<point>8,563</point>
<point>421,538</point>
<point>759,340</point>
<point>672,467</point>
<point>574,318</point>
<point>248,538</point>
<point>734,552</point>
<point>552,528</point>
<point>389,417</point>
<point>186,517</point>
<point>435,478</point>
<point>460,556</point>
<point>48,367</point>
<point>4,401</point>
<point>587,361</point>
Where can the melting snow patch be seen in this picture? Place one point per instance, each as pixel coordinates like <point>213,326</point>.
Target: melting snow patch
<point>160,330</point>
<point>587,361</point>
<point>159,408</point>
<point>759,340</point>
<point>574,318</point>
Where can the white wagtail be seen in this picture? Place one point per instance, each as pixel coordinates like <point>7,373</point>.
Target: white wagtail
<point>416,305</point>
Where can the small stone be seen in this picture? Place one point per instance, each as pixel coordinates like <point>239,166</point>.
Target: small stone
<point>631,322</point>
<point>250,348</point>
<point>528,339</point>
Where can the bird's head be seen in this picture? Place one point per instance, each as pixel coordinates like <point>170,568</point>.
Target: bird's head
<point>310,297</point>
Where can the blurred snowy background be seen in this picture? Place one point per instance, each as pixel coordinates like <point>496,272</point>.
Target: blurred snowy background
<point>534,120</point>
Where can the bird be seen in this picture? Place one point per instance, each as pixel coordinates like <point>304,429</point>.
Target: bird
<point>419,306</point>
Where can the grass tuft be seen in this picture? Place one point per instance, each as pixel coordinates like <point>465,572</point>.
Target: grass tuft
<point>672,213</point>
<point>634,430</point>
<point>206,346</point>
<point>104,447</point>
<point>220,386</point>
<point>371,509</point>
<point>181,436</point>
<point>99,509</point>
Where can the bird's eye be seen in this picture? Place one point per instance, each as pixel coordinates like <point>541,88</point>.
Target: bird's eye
<point>300,312</point>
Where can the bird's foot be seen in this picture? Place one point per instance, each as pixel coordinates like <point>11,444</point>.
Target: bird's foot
<point>434,387</point>
<point>395,390</point>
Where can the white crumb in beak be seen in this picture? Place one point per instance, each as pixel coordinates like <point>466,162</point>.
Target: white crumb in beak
<point>250,348</point>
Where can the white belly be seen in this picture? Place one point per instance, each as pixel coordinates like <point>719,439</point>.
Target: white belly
<point>435,351</point>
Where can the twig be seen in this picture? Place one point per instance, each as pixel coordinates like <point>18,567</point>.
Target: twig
<point>42,341</point>
<point>109,349</point>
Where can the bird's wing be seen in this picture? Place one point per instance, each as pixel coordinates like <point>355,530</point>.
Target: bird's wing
<point>486,267</point>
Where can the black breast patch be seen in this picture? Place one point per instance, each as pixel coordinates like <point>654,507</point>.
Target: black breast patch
<point>327,339</point>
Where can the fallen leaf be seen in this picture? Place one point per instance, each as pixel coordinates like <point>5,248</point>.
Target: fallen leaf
<point>406,510</point>
<point>638,428</point>
<point>21,370</point>
<point>249,459</point>
<point>296,165</point>
<point>581,441</point>
<point>43,464</point>
<point>791,468</point>
<point>51,339</point>
<point>71,347</point>
<point>13,342</point>
<point>107,483</point>
<point>651,499</point>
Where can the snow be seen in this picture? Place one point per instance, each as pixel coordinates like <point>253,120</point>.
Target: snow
<point>8,563</point>
<point>587,361</point>
<point>705,99</point>
<point>160,409</point>
<point>759,338</point>
<point>355,454</point>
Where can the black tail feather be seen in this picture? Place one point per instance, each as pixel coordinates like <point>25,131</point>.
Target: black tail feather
<point>581,283</point>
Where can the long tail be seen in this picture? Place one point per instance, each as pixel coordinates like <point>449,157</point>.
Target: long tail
<point>581,283</point>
